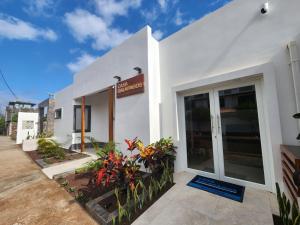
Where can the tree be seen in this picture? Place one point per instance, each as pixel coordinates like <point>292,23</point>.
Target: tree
<point>14,118</point>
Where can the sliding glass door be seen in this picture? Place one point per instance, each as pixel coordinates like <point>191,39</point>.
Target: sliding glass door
<point>223,134</point>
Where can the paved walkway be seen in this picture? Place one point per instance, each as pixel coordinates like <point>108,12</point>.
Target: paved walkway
<point>183,205</point>
<point>27,197</point>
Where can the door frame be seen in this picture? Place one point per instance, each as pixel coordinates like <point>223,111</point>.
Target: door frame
<point>262,131</point>
<point>214,88</point>
<point>216,173</point>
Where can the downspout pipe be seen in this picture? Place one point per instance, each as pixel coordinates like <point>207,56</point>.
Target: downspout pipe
<point>295,69</point>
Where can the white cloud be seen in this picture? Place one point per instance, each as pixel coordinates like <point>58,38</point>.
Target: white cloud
<point>39,7</point>
<point>166,4</point>
<point>150,15</point>
<point>81,62</point>
<point>85,25</point>
<point>212,3</point>
<point>14,28</point>
<point>162,4</point>
<point>158,34</point>
<point>108,9</point>
<point>178,20</point>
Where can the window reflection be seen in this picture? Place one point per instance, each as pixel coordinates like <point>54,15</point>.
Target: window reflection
<point>240,134</point>
<point>198,133</point>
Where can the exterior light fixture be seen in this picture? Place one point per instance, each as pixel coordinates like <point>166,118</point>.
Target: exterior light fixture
<point>297,116</point>
<point>138,69</point>
<point>118,78</point>
<point>265,8</point>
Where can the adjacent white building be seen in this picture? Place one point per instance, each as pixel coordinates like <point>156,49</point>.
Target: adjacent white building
<point>225,88</point>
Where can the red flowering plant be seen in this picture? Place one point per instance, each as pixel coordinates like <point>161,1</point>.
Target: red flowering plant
<point>154,156</point>
<point>118,169</point>
<point>146,154</point>
<point>132,171</point>
<point>131,144</point>
<point>112,170</point>
<point>122,171</point>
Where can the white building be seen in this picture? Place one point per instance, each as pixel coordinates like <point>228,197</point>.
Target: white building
<point>225,88</point>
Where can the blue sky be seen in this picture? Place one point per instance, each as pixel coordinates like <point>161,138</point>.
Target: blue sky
<point>44,42</point>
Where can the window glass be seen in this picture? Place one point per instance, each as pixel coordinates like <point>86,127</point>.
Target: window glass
<point>58,113</point>
<point>240,134</point>
<point>77,118</point>
<point>198,133</point>
<point>45,111</point>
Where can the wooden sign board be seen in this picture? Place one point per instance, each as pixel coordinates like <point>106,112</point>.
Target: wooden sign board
<point>131,86</point>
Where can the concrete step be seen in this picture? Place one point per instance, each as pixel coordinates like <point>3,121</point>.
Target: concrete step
<point>65,167</point>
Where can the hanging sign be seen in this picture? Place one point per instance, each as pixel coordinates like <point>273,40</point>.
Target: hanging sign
<point>131,86</point>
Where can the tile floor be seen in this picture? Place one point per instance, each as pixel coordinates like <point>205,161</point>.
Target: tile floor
<point>185,205</point>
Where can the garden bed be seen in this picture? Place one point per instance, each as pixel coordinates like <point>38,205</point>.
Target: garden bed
<point>277,220</point>
<point>105,208</point>
<point>101,201</point>
<point>113,189</point>
<point>45,162</point>
<point>82,187</point>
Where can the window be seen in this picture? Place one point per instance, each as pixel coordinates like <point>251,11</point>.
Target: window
<point>45,111</point>
<point>58,113</point>
<point>77,118</point>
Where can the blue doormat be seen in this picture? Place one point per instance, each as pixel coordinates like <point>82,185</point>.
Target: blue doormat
<point>221,188</point>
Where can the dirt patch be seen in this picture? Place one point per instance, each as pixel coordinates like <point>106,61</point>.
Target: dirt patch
<point>28,197</point>
<point>82,187</point>
<point>70,155</point>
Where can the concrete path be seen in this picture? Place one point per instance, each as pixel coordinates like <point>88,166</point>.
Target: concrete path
<point>51,171</point>
<point>28,197</point>
<point>183,205</point>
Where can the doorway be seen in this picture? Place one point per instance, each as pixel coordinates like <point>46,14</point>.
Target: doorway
<point>223,134</point>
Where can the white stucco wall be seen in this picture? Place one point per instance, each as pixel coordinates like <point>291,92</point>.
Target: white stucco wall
<point>235,37</point>
<point>154,89</point>
<point>132,112</point>
<point>22,133</point>
<point>136,115</point>
<point>99,117</point>
<point>63,127</point>
<point>235,41</point>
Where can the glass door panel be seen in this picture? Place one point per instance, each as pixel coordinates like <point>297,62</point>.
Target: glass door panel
<point>199,133</point>
<point>242,153</point>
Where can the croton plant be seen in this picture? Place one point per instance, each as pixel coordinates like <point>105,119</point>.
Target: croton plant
<point>115,168</point>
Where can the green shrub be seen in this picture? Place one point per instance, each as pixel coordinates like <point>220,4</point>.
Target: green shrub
<point>71,189</point>
<point>14,118</point>
<point>45,135</point>
<point>50,148</point>
<point>289,213</point>
<point>102,154</point>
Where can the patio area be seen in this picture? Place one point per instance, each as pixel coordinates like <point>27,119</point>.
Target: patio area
<point>185,205</point>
